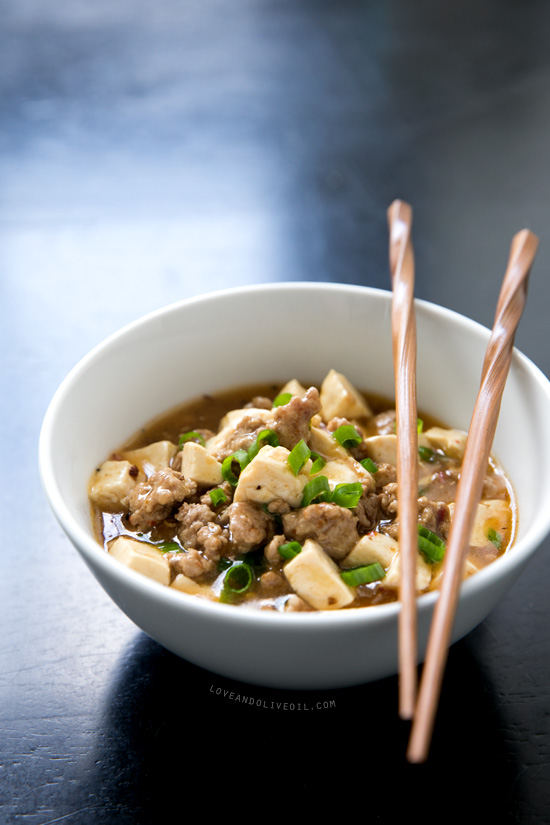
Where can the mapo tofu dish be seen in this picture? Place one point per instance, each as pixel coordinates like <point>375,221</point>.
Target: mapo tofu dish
<point>285,498</point>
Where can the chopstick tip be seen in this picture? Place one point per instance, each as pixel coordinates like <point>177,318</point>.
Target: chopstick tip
<point>406,698</point>
<point>526,237</point>
<point>415,756</point>
<point>399,208</point>
<point>419,742</point>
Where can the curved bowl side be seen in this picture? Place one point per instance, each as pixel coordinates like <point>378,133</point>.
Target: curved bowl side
<point>154,364</point>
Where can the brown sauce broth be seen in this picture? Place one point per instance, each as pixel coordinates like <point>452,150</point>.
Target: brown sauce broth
<point>205,412</point>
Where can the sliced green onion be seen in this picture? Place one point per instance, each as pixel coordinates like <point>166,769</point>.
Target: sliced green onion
<point>347,436</point>
<point>425,454</point>
<point>290,549</point>
<point>237,580</point>
<point>347,495</point>
<point>169,547</point>
<point>316,489</point>
<point>217,496</point>
<point>495,538</point>
<point>431,551</point>
<point>433,537</point>
<point>282,399</point>
<point>224,564</point>
<point>363,575</point>
<point>430,544</point>
<point>298,456</point>
<point>318,463</point>
<point>264,437</point>
<point>369,465</point>
<point>240,457</point>
<point>191,436</point>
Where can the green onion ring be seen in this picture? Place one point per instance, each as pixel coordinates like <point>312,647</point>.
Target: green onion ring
<point>237,580</point>
<point>347,495</point>
<point>425,454</point>
<point>433,537</point>
<point>289,549</point>
<point>282,399</point>
<point>369,465</point>
<point>241,458</point>
<point>347,436</point>
<point>169,547</point>
<point>318,488</point>
<point>267,436</point>
<point>363,575</point>
<point>430,545</point>
<point>217,496</point>
<point>191,436</point>
<point>318,463</point>
<point>494,537</point>
<point>299,454</point>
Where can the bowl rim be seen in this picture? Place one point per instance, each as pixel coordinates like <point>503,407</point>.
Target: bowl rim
<point>95,556</point>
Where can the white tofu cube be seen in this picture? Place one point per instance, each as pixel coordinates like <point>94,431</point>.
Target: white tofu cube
<point>323,442</point>
<point>491,514</point>
<point>423,573</point>
<point>187,585</point>
<point>343,472</point>
<point>142,557</point>
<point>452,442</point>
<point>372,548</point>
<point>316,578</point>
<point>362,475</point>
<point>293,387</point>
<point>268,477</point>
<point>340,399</point>
<point>437,579</point>
<point>199,466</point>
<point>111,484</point>
<point>382,449</point>
<point>154,457</point>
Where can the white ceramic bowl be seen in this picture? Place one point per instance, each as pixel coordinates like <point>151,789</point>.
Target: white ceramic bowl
<point>273,333</point>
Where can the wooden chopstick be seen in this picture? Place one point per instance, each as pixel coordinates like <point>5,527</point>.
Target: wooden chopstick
<point>404,362</point>
<point>478,447</point>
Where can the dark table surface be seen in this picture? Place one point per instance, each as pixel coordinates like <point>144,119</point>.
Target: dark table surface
<point>154,151</point>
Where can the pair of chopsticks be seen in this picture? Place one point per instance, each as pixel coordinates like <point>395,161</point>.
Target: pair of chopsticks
<point>498,357</point>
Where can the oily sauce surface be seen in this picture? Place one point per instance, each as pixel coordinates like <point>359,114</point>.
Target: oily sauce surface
<point>205,412</point>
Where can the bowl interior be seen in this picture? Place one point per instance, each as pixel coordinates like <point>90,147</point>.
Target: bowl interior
<point>274,333</point>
